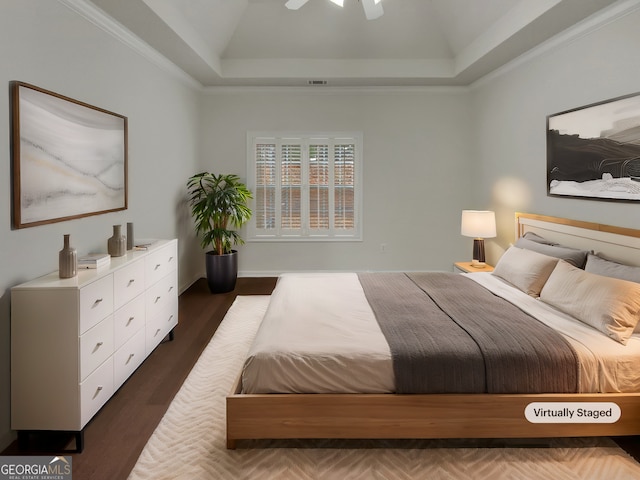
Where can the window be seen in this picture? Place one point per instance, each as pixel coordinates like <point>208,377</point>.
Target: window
<point>306,187</point>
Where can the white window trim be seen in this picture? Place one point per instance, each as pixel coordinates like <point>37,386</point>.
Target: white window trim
<point>308,236</point>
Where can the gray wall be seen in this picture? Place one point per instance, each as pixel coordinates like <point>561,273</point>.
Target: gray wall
<point>417,171</point>
<point>48,45</point>
<point>510,123</point>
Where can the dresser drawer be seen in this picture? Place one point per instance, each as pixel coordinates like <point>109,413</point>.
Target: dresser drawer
<point>95,391</point>
<point>159,263</point>
<point>96,302</point>
<point>160,293</point>
<point>128,358</point>
<point>161,324</point>
<point>96,345</point>
<point>128,320</point>
<point>128,283</point>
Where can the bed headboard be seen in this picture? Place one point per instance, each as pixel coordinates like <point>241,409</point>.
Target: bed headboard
<point>616,243</point>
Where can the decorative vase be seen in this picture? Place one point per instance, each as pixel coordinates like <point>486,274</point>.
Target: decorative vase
<point>130,240</point>
<point>116,245</point>
<point>67,260</point>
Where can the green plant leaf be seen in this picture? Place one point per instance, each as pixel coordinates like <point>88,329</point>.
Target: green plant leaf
<point>217,202</point>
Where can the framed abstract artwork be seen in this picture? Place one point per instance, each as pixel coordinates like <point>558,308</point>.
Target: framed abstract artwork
<point>594,151</point>
<point>69,159</point>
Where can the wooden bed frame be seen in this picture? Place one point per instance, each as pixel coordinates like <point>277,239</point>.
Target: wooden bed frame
<point>392,416</point>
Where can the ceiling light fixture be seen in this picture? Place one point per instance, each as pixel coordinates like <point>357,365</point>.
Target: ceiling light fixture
<point>372,8</point>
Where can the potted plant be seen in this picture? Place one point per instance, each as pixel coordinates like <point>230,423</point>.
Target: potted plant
<point>217,203</point>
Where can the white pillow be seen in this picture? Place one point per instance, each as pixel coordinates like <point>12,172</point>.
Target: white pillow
<point>608,304</point>
<point>525,269</point>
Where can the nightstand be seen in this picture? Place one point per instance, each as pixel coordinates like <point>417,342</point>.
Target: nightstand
<point>466,267</point>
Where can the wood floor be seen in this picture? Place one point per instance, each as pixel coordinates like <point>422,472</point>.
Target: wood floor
<point>117,434</point>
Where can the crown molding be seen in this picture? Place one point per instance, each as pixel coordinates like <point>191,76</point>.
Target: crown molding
<point>328,90</point>
<point>582,29</point>
<point>90,12</point>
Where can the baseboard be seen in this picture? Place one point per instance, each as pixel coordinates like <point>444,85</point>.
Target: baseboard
<point>184,287</point>
<point>258,274</point>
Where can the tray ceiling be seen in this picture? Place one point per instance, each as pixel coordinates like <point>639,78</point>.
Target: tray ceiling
<point>415,42</point>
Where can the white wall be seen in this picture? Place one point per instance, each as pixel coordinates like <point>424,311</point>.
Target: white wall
<point>510,123</point>
<point>46,44</point>
<point>417,171</point>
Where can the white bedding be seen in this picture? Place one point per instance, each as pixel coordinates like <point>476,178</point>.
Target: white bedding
<point>319,335</point>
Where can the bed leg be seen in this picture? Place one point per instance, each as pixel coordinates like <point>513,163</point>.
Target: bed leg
<point>231,444</point>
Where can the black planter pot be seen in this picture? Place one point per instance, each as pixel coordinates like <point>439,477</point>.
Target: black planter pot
<point>222,271</point>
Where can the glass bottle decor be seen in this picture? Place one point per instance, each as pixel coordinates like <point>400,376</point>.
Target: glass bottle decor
<point>116,245</point>
<point>67,260</point>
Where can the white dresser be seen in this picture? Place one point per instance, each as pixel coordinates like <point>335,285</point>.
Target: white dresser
<point>75,341</point>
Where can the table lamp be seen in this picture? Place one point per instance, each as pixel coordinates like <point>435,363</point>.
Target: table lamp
<point>479,224</point>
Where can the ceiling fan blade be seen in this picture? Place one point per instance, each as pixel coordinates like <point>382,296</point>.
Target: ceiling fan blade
<point>295,4</point>
<point>372,9</point>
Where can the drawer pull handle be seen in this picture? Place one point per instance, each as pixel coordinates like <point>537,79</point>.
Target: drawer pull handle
<point>157,299</point>
<point>131,281</point>
<point>98,345</point>
<point>131,355</point>
<point>157,332</point>
<point>170,259</point>
<point>170,288</point>
<point>158,266</point>
<point>130,320</point>
<point>98,390</point>
<point>97,302</point>
<point>170,318</point>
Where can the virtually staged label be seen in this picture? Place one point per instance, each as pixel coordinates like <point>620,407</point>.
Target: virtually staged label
<point>572,412</point>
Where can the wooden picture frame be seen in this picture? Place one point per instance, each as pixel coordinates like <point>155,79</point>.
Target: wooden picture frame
<point>69,158</point>
<point>594,151</point>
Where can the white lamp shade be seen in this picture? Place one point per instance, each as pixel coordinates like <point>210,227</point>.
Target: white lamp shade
<point>478,224</point>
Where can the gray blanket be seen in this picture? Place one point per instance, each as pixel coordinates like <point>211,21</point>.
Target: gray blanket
<point>448,334</point>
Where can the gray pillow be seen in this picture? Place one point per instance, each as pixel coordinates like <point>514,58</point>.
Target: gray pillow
<point>575,257</point>
<point>538,239</point>
<point>609,268</point>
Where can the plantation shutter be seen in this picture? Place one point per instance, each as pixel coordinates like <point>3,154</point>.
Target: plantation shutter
<point>265,186</point>
<point>290,187</point>
<point>344,186</point>
<point>305,187</point>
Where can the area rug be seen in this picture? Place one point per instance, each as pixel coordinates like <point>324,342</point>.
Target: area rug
<point>189,443</point>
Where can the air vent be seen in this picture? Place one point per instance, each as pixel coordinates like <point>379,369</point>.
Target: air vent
<point>317,82</point>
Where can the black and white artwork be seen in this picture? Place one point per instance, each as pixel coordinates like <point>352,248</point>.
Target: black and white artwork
<point>594,151</point>
<point>69,158</point>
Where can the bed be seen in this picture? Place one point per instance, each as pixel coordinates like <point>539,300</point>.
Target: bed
<point>367,405</point>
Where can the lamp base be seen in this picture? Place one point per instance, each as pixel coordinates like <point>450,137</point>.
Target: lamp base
<point>478,253</point>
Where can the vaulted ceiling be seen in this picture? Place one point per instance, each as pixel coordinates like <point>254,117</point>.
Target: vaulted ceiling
<point>415,42</point>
